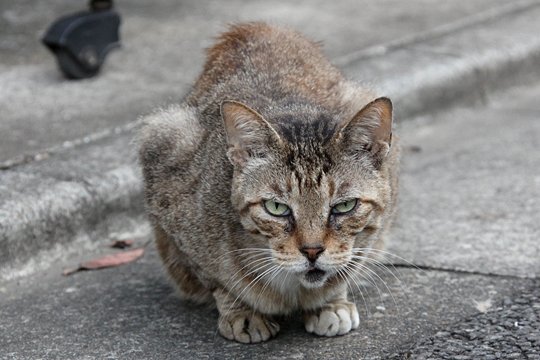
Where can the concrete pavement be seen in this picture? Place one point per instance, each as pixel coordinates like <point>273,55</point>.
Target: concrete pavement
<point>470,197</point>
<point>132,312</point>
<point>61,200</point>
<point>163,49</point>
<point>508,332</point>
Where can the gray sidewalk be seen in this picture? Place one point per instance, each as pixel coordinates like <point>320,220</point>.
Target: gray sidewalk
<point>132,312</point>
<point>163,49</point>
<point>91,187</point>
<point>469,201</point>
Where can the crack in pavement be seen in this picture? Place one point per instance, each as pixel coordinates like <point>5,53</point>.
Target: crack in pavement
<point>457,271</point>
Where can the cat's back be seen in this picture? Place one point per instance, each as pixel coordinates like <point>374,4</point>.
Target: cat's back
<point>256,61</point>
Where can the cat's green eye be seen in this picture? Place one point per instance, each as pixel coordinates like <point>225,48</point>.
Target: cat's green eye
<point>344,207</point>
<point>276,209</point>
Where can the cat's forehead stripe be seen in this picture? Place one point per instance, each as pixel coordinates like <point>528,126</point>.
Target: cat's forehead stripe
<point>277,189</point>
<point>331,186</point>
<point>318,128</point>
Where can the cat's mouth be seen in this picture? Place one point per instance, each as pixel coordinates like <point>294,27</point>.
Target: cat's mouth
<point>314,275</point>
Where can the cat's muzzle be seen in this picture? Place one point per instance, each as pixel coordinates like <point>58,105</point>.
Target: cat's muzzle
<point>314,275</point>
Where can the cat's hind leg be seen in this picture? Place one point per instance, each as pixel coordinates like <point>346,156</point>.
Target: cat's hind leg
<point>189,286</point>
<point>239,322</point>
<point>337,317</point>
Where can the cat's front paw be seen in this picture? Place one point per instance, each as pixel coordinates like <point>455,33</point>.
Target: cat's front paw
<point>247,327</point>
<point>333,319</point>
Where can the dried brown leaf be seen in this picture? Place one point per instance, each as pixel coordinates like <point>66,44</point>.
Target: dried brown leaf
<point>106,261</point>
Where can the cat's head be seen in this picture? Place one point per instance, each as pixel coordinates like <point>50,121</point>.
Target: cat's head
<point>309,187</point>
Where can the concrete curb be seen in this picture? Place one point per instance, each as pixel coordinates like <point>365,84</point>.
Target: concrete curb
<point>463,66</point>
<point>65,204</point>
<point>73,199</point>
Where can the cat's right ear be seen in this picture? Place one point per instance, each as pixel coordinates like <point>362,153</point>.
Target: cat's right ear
<point>370,130</point>
<point>248,134</point>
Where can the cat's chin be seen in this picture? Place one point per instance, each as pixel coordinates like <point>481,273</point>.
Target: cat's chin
<point>314,278</point>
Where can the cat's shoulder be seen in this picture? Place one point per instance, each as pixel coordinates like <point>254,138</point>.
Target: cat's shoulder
<point>171,133</point>
<point>249,32</point>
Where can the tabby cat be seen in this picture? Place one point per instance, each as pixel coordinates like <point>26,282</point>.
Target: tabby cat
<point>270,184</point>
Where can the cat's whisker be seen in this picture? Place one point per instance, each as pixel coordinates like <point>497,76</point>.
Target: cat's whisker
<point>359,266</point>
<point>265,262</point>
<point>365,276</point>
<point>271,278</point>
<point>387,253</point>
<point>288,267</point>
<point>225,314</point>
<point>269,272</point>
<point>351,276</point>
<point>251,261</point>
<point>256,262</point>
<point>369,278</point>
<point>359,278</point>
<point>248,287</point>
<point>380,265</point>
<point>257,266</point>
<point>384,254</point>
<point>349,287</point>
<point>242,251</point>
<point>283,280</point>
<point>384,267</point>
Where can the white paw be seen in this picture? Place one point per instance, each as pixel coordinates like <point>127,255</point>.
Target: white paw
<point>247,327</point>
<point>333,319</point>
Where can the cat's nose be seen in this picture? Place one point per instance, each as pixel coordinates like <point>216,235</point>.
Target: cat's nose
<point>312,252</point>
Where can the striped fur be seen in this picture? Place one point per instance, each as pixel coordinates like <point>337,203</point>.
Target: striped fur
<point>269,118</point>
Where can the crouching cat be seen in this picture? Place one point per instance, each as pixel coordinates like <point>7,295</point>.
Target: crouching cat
<point>271,184</point>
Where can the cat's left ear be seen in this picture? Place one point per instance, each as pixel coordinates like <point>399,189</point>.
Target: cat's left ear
<point>370,130</point>
<point>249,136</point>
